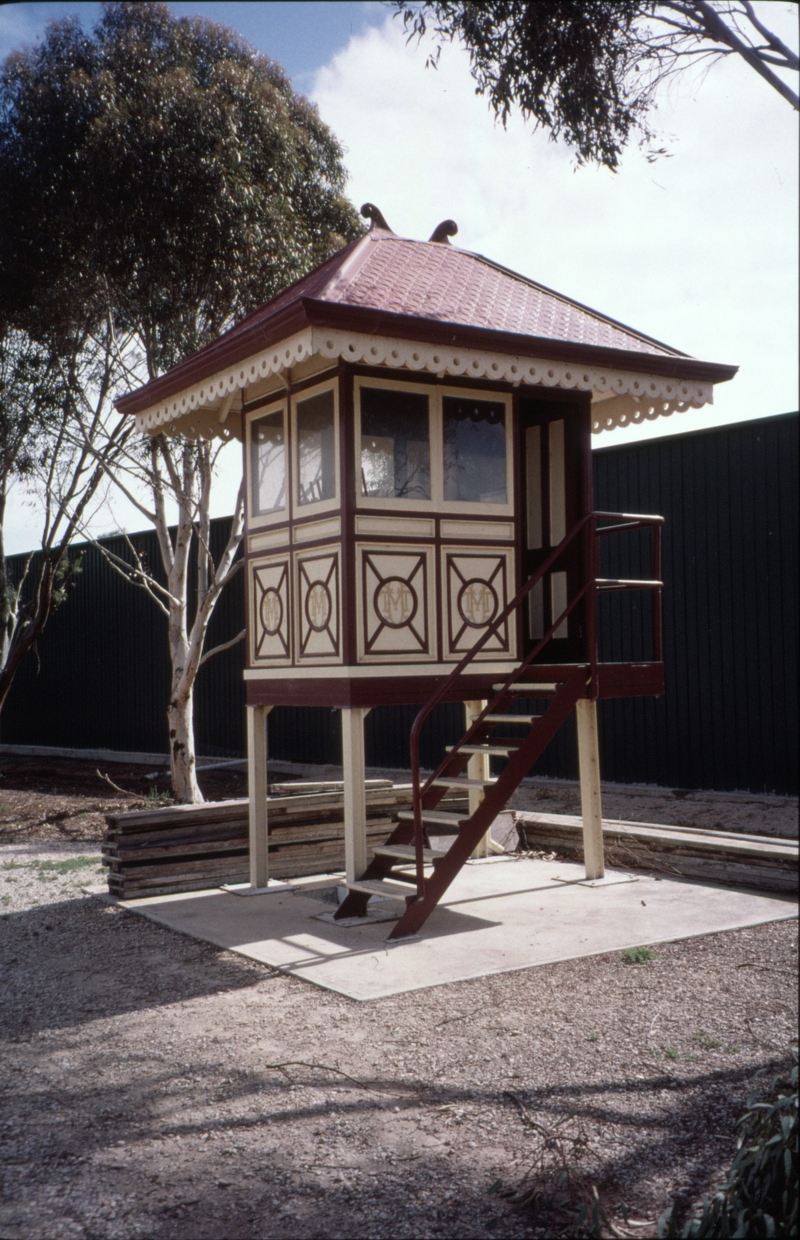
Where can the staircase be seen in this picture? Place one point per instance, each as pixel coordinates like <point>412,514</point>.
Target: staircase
<point>404,867</point>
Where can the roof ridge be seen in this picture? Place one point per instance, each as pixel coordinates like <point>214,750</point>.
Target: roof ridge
<point>348,268</point>
<point>252,314</point>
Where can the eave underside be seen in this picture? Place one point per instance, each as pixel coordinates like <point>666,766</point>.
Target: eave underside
<point>619,397</point>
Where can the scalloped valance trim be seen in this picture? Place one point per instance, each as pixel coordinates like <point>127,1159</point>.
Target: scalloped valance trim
<point>619,397</point>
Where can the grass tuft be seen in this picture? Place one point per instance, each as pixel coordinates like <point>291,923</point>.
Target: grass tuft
<point>637,955</point>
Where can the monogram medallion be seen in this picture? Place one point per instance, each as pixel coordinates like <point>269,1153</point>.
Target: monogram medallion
<point>396,602</point>
<point>477,603</point>
<point>318,606</point>
<point>271,611</point>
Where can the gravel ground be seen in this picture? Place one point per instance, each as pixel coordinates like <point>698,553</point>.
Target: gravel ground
<point>710,811</point>
<point>142,1095</point>
<point>155,1086</point>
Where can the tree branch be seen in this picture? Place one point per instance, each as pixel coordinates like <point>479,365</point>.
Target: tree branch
<point>209,654</point>
<point>711,24</point>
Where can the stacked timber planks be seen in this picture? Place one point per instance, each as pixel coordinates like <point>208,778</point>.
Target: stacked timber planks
<point>192,847</point>
<point>731,858</point>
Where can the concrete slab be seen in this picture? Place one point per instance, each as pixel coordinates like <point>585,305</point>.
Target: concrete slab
<point>500,914</point>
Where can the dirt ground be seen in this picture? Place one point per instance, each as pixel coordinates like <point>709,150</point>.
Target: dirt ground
<point>155,1086</point>
<point>65,799</point>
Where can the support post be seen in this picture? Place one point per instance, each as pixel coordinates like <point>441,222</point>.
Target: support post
<point>355,801</point>
<point>479,767</point>
<point>591,808</point>
<point>257,792</point>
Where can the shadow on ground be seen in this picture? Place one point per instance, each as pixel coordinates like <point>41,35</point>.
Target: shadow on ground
<point>92,961</point>
<point>240,1175</point>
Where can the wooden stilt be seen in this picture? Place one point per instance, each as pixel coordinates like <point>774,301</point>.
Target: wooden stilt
<point>257,791</point>
<point>355,804</point>
<point>479,767</point>
<point>591,808</point>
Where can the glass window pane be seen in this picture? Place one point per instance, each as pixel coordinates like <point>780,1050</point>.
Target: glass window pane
<point>316,452</point>
<point>395,444</point>
<point>474,450</point>
<point>268,463</point>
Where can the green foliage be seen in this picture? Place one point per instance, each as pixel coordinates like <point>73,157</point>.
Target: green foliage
<point>162,171</point>
<point>588,71</point>
<point>69,864</point>
<point>564,64</point>
<point>154,798</point>
<point>637,955</point>
<point>759,1198</point>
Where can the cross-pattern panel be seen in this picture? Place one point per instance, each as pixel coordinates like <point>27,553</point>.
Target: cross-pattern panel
<point>318,606</point>
<point>476,591</point>
<point>270,626</point>
<point>394,603</point>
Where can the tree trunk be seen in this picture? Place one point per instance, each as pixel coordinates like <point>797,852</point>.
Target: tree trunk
<point>180,717</point>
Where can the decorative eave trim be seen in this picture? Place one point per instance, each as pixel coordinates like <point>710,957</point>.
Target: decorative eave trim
<point>619,396</point>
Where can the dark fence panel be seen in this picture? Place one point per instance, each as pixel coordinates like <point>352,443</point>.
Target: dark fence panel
<point>100,676</point>
<point>728,719</point>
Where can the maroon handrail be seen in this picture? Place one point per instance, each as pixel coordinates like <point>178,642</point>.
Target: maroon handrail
<point>592,533</point>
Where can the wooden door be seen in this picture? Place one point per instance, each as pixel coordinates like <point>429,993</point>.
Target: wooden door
<point>552,443</point>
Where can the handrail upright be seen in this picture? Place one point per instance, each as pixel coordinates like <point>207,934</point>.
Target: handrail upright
<point>591,558</point>
<point>658,619</point>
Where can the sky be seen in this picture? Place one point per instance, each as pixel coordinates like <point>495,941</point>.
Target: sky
<point>698,249</point>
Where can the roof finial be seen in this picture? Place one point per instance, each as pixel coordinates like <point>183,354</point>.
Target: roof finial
<point>447,228</point>
<point>373,213</point>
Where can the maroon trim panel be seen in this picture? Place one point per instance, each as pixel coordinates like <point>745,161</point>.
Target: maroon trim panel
<point>614,679</point>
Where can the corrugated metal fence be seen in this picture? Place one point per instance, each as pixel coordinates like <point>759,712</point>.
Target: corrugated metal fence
<point>728,719</point>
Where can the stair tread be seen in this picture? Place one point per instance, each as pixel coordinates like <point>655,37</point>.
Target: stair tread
<point>407,852</point>
<point>461,781</point>
<point>434,815</point>
<point>528,687</point>
<point>381,886</point>
<point>510,718</point>
<point>493,750</point>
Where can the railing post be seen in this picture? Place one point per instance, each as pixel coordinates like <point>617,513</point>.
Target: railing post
<point>658,620</point>
<point>478,767</point>
<point>591,559</point>
<point>257,796</point>
<point>591,807</point>
<point>355,802</point>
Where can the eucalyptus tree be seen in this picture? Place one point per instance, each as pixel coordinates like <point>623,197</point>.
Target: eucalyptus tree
<point>159,179</point>
<point>38,452</point>
<point>589,71</point>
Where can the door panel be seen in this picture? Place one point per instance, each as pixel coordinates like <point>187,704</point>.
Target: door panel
<point>551,443</point>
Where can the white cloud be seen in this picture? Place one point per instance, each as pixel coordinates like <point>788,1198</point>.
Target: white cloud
<point>699,250</point>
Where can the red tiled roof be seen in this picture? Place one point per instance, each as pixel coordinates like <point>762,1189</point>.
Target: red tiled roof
<point>434,281</point>
<point>393,286</point>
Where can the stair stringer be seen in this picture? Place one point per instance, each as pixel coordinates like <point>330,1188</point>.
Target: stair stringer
<point>534,744</point>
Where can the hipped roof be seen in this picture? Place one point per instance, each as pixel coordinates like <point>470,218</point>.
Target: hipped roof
<point>387,285</point>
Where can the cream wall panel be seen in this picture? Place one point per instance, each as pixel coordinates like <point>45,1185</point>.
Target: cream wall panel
<point>330,527</point>
<point>318,606</point>
<point>490,530</point>
<point>477,585</point>
<point>270,611</point>
<point>396,604</point>
<point>267,540</point>
<point>408,527</point>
